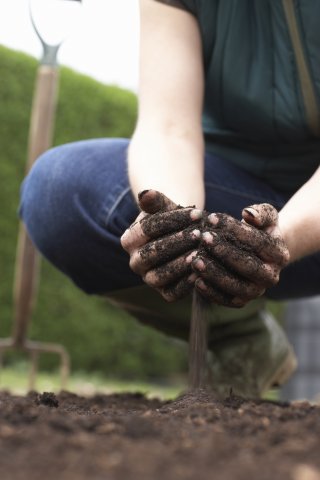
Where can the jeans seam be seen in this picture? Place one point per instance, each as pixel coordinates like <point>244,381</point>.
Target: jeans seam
<point>116,202</point>
<point>242,194</point>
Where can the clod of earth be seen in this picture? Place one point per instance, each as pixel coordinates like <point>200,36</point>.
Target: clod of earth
<point>48,399</point>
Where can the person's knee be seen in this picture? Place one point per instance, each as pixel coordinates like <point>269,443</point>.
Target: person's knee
<point>75,204</point>
<point>44,204</point>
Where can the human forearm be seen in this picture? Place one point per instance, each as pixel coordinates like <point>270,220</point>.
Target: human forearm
<point>166,152</point>
<point>299,220</point>
<point>170,162</point>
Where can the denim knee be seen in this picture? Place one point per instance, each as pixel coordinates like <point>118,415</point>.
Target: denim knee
<point>75,204</point>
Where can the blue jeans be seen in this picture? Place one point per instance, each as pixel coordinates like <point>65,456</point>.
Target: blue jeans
<point>76,203</point>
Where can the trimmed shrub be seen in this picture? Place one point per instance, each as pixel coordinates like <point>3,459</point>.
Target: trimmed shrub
<point>97,335</point>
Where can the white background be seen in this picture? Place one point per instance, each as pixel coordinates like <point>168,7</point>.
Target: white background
<point>102,44</point>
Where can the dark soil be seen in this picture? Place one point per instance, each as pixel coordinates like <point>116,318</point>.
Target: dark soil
<point>128,437</point>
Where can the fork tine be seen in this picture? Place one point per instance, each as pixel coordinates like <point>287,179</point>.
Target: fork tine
<point>34,349</point>
<point>34,356</point>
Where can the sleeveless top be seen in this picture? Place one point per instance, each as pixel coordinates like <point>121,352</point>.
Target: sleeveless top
<point>262,85</point>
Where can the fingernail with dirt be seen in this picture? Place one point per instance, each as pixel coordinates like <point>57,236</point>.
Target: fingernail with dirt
<point>200,284</point>
<point>196,214</point>
<point>198,264</point>
<point>152,201</point>
<point>213,219</point>
<point>196,233</point>
<point>250,211</point>
<point>192,278</point>
<point>141,194</point>
<point>209,237</point>
<point>191,256</point>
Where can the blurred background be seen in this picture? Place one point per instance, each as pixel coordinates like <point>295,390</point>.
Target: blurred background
<point>98,77</point>
<point>102,43</point>
<point>108,349</point>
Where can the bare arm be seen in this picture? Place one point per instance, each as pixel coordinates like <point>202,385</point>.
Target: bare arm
<point>167,149</point>
<point>166,154</point>
<point>277,241</point>
<point>299,220</point>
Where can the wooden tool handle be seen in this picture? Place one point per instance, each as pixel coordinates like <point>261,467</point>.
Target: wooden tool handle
<point>43,113</point>
<point>27,260</point>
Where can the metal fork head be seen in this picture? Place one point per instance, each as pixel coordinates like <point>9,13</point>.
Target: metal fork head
<point>52,21</point>
<point>35,349</point>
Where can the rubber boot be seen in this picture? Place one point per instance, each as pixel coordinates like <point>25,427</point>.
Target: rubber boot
<point>248,350</point>
<point>248,356</point>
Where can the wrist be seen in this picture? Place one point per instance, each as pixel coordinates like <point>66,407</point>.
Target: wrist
<point>289,237</point>
<point>169,164</point>
<point>300,235</point>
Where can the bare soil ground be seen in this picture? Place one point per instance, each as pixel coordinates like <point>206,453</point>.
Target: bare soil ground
<point>128,437</point>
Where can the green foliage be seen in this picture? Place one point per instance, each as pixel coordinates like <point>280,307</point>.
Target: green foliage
<point>98,336</point>
<point>15,379</point>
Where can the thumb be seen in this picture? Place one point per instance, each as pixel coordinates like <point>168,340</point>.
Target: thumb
<point>152,201</point>
<point>263,216</point>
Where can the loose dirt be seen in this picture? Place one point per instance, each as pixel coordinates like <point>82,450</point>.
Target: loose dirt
<point>128,437</point>
<point>198,341</point>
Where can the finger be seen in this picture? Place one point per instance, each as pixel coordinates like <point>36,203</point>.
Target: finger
<point>267,247</point>
<point>180,289</point>
<point>159,224</point>
<point>262,215</point>
<point>219,277</point>
<point>163,250</point>
<point>134,237</point>
<point>240,261</point>
<point>214,295</point>
<point>152,201</point>
<point>170,272</point>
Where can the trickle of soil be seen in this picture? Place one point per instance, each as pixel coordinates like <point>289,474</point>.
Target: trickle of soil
<point>128,437</point>
<point>198,341</point>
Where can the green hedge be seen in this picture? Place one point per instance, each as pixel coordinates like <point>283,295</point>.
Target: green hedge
<point>98,336</point>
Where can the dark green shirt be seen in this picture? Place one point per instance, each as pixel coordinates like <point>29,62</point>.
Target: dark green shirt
<point>262,77</point>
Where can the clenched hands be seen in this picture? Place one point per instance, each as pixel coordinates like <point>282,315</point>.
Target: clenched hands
<point>160,243</point>
<point>229,262</point>
<point>240,260</point>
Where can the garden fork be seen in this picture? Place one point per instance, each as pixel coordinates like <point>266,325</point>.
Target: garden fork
<point>43,14</point>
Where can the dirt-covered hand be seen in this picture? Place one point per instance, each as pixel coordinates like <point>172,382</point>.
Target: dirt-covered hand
<point>162,242</point>
<point>240,259</point>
